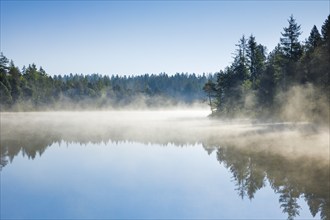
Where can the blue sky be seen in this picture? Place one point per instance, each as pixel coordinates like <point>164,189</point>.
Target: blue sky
<point>137,37</point>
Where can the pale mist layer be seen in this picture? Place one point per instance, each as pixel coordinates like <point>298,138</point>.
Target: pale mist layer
<point>39,130</point>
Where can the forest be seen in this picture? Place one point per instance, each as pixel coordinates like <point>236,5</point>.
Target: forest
<point>33,89</point>
<point>289,82</point>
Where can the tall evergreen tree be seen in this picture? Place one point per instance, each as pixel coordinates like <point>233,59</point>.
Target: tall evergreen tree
<point>3,64</point>
<point>314,39</point>
<point>325,55</point>
<point>256,60</point>
<point>210,89</point>
<point>241,51</point>
<point>5,88</point>
<point>251,54</point>
<point>290,40</point>
<point>308,65</point>
<point>292,51</point>
<point>15,81</point>
<point>239,65</point>
<point>326,30</point>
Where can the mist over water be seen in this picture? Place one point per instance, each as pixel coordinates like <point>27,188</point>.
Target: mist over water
<point>289,158</point>
<point>167,126</point>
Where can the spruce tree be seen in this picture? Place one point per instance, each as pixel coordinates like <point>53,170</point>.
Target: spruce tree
<point>326,33</point>
<point>210,89</point>
<point>325,56</point>
<point>5,88</point>
<point>290,40</point>
<point>3,64</point>
<point>240,60</point>
<point>256,60</point>
<point>292,52</point>
<point>15,81</point>
<point>326,29</point>
<point>251,54</point>
<point>314,39</point>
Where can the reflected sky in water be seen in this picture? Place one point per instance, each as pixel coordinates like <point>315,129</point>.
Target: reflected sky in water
<point>48,173</point>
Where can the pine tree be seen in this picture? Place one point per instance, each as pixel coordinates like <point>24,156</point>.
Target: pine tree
<point>308,65</point>
<point>3,64</point>
<point>326,33</point>
<point>241,51</point>
<point>290,40</point>
<point>314,39</point>
<point>292,52</point>
<point>15,81</point>
<point>325,56</point>
<point>5,88</point>
<point>256,60</point>
<point>210,89</point>
<point>326,30</point>
<point>251,54</point>
<point>240,61</point>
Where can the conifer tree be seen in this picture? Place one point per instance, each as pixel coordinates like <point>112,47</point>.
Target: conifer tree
<point>290,40</point>
<point>326,30</point>
<point>3,65</point>
<point>292,52</point>
<point>240,61</point>
<point>211,91</point>
<point>15,81</point>
<point>325,56</point>
<point>314,39</point>
<point>256,60</point>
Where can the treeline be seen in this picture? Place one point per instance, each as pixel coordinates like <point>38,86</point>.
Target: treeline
<point>33,89</point>
<point>291,82</point>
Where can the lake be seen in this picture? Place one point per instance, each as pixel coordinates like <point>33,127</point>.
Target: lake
<point>161,164</point>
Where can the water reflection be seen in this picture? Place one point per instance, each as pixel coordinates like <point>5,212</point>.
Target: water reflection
<point>293,159</point>
<point>290,179</point>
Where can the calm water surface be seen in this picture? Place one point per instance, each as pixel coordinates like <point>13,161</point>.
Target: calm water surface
<point>160,164</point>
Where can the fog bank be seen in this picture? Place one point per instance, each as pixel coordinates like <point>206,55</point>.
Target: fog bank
<point>179,127</point>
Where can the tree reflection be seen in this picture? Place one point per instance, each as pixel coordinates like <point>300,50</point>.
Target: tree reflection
<point>291,179</point>
<point>251,162</point>
<point>249,178</point>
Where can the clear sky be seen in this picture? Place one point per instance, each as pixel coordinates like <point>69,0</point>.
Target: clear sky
<point>137,37</point>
